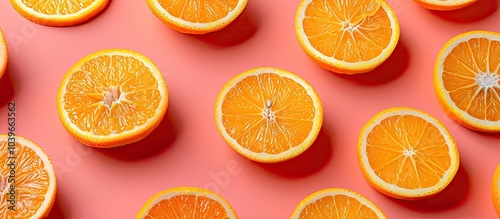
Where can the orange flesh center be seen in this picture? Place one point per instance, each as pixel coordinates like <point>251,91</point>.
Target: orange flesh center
<point>29,181</point>
<point>111,94</point>
<point>267,113</point>
<point>470,75</point>
<point>408,151</point>
<point>351,31</point>
<point>188,206</point>
<point>199,11</point>
<point>57,7</point>
<point>338,206</point>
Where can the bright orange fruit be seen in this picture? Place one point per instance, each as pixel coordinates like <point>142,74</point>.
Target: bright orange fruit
<point>196,16</point>
<point>3,54</point>
<point>336,203</point>
<point>27,179</point>
<point>348,37</point>
<point>57,12</point>
<point>444,5</point>
<point>406,153</point>
<point>268,114</point>
<point>495,190</point>
<point>111,98</point>
<point>186,202</point>
<point>466,80</point>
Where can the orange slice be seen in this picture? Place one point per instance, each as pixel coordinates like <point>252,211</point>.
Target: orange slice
<point>186,202</point>
<point>495,190</point>
<point>406,153</point>
<point>466,80</point>
<point>268,114</point>
<point>57,12</point>
<point>444,5</point>
<point>111,98</point>
<point>27,179</point>
<point>337,203</point>
<point>347,37</point>
<point>3,54</point>
<point>196,16</point>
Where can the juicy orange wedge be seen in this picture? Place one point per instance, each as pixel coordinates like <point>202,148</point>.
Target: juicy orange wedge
<point>3,54</point>
<point>57,12</point>
<point>196,16</point>
<point>347,37</point>
<point>466,80</point>
<point>406,153</point>
<point>27,179</point>
<point>444,5</point>
<point>111,98</point>
<point>336,203</point>
<point>186,202</point>
<point>495,189</point>
<point>268,114</point>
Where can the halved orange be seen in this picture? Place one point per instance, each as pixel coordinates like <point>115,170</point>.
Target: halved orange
<point>336,203</point>
<point>112,97</point>
<point>27,179</point>
<point>406,153</point>
<point>186,202</point>
<point>57,12</point>
<point>268,114</point>
<point>196,16</point>
<point>3,54</point>
<point>466,80</point>
<point>444,5</point>
<point>348,37</point>
<point>495,190</point>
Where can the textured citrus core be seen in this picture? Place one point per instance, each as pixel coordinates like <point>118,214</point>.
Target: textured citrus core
<point>267,110</point>
<point>111,94</point>
<point>408,151</point>
<point>188,206</point>
<point>199,11</point>
<point>31,181</point>
<point>470,75</point>
<point>57,7</point>
<point>351,31</point>
<point>343,207</point>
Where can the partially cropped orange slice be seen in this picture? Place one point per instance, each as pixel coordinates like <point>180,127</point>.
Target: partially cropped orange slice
<point>336,203</point>
<point>3,54</point>
<point>466,80</point>
<point>27,179</point>
<point>444,5</point>
<point>186,202</point>
<point>268,114</point>
<point>406,153</point>
<point>197,16</point>
<point>111,98</point>
<point>347,37</point>
<point>58,12</point>
<point>495,190</point>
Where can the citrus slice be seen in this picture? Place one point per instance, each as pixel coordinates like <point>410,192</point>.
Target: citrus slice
<point>3,54</point>
<point>186,202</point>
<point>495,190</point>
<point>268,114</point>
<point>444,5</point>
<point>406,153</point>
<point>347,37</point>
<point>111,98</point>
<point>58,12</point>
<point>466,80</point>
<point>336,203</point>
<point>196,16</point>
<point>27,179</point>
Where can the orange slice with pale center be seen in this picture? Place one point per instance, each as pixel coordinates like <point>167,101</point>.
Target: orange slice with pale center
<point>111,98</point>
<point>268,114</point>
<point>186,202</point>
<point>27,179</point>
<point>406,153</point>
<point>466,80</point>
<point>347,37</point>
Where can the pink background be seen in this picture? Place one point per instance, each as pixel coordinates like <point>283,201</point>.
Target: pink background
<point>187,150</point>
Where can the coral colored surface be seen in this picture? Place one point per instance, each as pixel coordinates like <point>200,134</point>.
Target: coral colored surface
<point>187,150</point>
